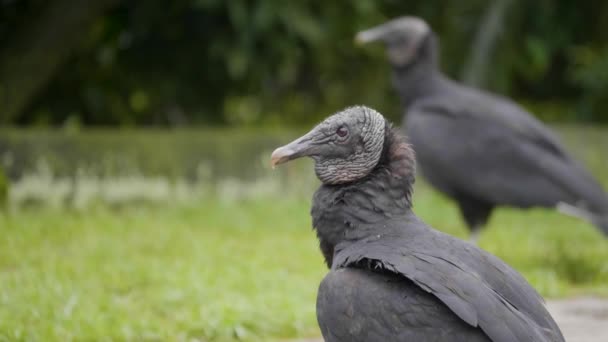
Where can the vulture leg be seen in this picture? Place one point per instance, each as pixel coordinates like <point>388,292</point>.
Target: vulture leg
<point>475,214</point>
<point>474,236</point>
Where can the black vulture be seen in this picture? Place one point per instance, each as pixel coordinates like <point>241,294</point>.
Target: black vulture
<point>480,149</point>
<point>392,277</point>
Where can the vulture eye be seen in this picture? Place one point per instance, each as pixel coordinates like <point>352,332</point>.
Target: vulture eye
<point>342,131</point>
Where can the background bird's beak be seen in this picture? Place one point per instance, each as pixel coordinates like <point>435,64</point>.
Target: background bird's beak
<point>298,148</point>
<point>371,35</point>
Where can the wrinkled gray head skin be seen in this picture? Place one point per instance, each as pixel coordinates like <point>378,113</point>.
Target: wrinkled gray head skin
<point>403,37</point>
<point>345,147</point>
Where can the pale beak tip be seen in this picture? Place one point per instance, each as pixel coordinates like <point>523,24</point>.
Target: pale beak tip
<point>359,39</point>
<point>279,156</point>
<point>364,37</point>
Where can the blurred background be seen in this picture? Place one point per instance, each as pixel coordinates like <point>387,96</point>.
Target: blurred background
<point>137,201</point>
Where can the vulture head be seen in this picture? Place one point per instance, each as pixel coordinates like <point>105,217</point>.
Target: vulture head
<point>345,147</point>
<point>407,40</point>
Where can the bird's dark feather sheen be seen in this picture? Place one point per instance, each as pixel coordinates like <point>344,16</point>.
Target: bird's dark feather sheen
<point>527,145</point>
<point>462,102</point>
<point>484,150</point>
<point>463,290</point>
<point>368,225</point>
<point>358,305</point>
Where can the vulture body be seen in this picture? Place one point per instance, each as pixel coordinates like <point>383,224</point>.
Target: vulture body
<point>480,149</point>
<point>392,277</point>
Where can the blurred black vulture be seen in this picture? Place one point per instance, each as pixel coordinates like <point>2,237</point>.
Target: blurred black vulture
<point>393,278</point>
<point>480,149</point>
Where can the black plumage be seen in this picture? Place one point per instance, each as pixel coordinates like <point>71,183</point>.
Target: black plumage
<point>480,149</point>
<point>392,277</point>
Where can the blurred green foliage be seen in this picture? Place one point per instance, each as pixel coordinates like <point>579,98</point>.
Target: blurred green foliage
<point>196,156</point>
<point>245,62</point>
<point>78,168</point>
<point>188,154</point>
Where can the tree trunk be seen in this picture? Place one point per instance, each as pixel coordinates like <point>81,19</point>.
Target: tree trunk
<point>39,46</point>
<point>489,30</point>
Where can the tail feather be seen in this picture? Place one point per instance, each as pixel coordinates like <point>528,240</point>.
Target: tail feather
<point>571,210</point>
<point>600,221</point>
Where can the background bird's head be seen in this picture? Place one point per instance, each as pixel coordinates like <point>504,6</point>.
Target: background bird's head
<point>407,39</point>
<point>345,147</point>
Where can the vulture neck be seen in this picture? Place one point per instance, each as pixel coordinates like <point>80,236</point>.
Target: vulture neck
<point>422,77</point>
<point>355,211</point>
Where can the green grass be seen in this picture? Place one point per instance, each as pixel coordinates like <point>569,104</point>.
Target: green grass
<point>217,271</point>
<point>210,272</point>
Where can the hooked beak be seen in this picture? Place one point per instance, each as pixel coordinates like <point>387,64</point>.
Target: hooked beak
<point>370,35</point>
<point>412,27</point>
<point>300,147</point>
